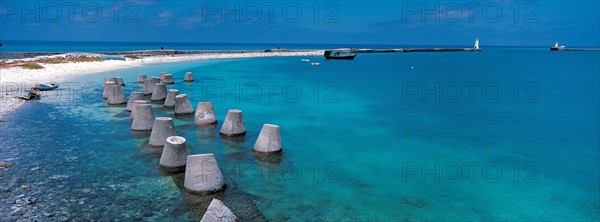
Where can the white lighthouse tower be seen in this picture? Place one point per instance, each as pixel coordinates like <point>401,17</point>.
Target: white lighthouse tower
<point>476,47</point>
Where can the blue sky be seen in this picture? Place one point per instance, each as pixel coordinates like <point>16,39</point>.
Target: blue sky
<point>500,22</point>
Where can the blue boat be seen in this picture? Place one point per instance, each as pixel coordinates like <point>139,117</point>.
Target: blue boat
<point>45,87</point>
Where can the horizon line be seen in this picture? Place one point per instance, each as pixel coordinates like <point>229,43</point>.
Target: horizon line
<point>290,43</point>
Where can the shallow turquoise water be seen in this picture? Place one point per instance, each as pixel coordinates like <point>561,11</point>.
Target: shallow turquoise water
<point>367,145</point>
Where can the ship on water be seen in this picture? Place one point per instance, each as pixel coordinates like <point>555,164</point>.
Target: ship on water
<point>557,48</point>
<point>341,54</point>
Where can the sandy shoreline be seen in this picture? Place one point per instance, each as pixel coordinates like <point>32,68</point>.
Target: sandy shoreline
<point>63,71</point>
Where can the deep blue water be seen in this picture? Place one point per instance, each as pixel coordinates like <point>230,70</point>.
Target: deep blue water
<point>71,46</point>
<point>504,134</point>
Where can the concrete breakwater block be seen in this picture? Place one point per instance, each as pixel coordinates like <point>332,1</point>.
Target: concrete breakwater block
<point>269,140</point>
<point>143,119</point>
<point>136,102</point>
<point>149,85</point>
<point>162,128</point>
<point>161,76</point>
<point>234,124</point>
<point>168,79</point>
<point>133,96</point>
<point>174,155</point>
<point>107,88</point>
<point>202,175</point>
<point>159,93</point>
<point>141,78</point>
<point>217,211</point>
<point>189,77</point>
<point>205,114</point>
<point>116,95</point>
<point>111,79</point>
<point>170,100</point>
<point>120,81</point>
<point>183,106</point>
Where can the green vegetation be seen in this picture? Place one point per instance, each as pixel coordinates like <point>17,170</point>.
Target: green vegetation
<point>132,57</point>
<point>32,65</point>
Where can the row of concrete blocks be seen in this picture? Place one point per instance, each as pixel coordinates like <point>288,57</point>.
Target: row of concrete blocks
<point>152,86</point>
<point>175,155</point>
<point>204,115</point>
<point>165,78</point>
<point>175,148</point>
<point>202,174</point>
<point>113,91</point>
<point>118,80</point>
<point>269,139</point>
<point>114,94</point>
<point>179,102</point>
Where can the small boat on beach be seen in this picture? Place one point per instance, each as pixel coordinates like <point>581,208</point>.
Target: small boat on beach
<point>33,94</point>
<point>340,54</point>
<point>45,87</point>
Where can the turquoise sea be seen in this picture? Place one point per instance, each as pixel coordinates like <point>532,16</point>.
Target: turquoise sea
<point>74,46</point>
<point>508,134</point>
<point>100,46</point>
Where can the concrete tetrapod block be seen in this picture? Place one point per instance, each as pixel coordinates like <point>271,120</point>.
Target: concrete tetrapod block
<point>170,100</point>
<point>159,93</point>
<point>218,212</point>
<point>162,128</point>
<point>269,140</point>
<point>168,79</point>
<point>174,155</point>
<point>132,98</point>
<point>233,124</point>
<point>120,81</point>
<point>111,79</point>
<point>116,95</point>
<point>205,114</point>
<point>107,88</point>
<point>136,102</point>
<point>183,106</point>
<point>143,119</point>
<point>189,77</point>
<point>141,78</point>
<point>161,76</point>
<point>149,85</point>
<point>202,175</point>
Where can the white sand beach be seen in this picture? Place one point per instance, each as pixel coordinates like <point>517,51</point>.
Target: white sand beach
<point>60,72</point>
